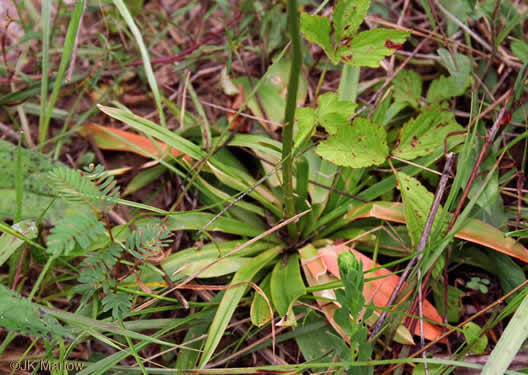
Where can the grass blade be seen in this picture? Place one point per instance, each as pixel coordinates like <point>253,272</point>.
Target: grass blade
<point>144,56</point>
<point>230,301</point>
<point>46,18</point>
<point>509,343</point>
<point>69,44</point>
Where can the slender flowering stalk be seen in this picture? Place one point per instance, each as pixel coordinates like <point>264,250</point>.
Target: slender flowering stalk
<point>289,117</point>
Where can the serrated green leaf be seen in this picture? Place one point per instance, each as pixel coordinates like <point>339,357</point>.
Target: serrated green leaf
<point>368,48</point>
<point>306,124</point>
<point>417,202</point>
<point>286,284</point>
<point>358,146</point>
<point>333,113</point>
<point>317,30</point>
<point>348,16</point>
<point>445,88</point>
<point>459,68</point>
<point>441,89</point>
<point>333,121</point>
<point>407,88</point>
<point>260,311</point>
<point>330,103</point>
<point>424,134</point>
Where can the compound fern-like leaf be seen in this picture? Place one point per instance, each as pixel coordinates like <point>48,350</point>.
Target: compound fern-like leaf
<point>75,229</point>
<point>147,241</point>
<point>97,188</point>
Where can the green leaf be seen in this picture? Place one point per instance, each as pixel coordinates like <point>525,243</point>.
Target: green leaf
<point>317,30</point>
<point>306,124</point>
<point>520,50</point>
<point>444,88</point>
<point>407,88</point>
<point>20,315</point>
<point>154,130</point>
<point>424,134</point>
<point>230,301</point>
<point>147,66</point>
<point>76,229</point>
<point>144,178</point>
<point>475,338</point>
<point>223,267</point>
<point>286,284</point>
<point>432,368</point>
<point>510,342</point>
<point>119,303</point>
<point>455,307</point>
<point>368,48</point>
<point>197,220</point>
<point>509,273</point>
<point>188,357</point>
<point>441,88</point>
<point>38,194</point>
<point>348,16</point>
<point>489,199</point>
<point>361,145</point>
<point>321,344</point>
<point>260,310</point>
<point>460,9</point>
<point>351,272</point>
<point>96,189</point>
<point>176,264</point>
<point>334,113</point>
<point>272,90</point>
<point>459,68</point>
<point>417,202</point>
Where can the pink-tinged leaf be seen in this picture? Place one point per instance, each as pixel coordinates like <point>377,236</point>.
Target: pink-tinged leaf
<point>474,230</point>
<point>120,140</point>
<point>315,272</point>
<point>379,290</point>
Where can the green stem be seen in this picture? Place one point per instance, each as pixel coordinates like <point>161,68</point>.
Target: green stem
<point>289,117</point>
<point>46,16</point>
<point>47,266</point>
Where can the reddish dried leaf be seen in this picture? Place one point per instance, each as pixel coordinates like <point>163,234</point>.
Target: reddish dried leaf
<point>120,140</point>
<point>474,230</point>
<point>379,291</point>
